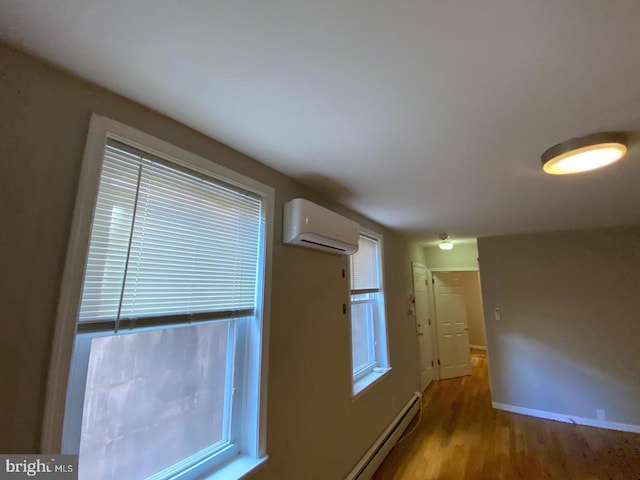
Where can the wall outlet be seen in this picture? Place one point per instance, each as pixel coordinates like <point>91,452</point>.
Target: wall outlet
<point>497,313</point>
<point>600,415</point>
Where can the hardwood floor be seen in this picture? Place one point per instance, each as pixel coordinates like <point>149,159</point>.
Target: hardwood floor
<point>461,437</point>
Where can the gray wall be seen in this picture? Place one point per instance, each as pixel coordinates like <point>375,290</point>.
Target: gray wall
<point>569,338</point>
<point>314,429</point>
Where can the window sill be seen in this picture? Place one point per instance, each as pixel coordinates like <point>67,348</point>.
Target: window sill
<point>239,467</point>
<point>366,382</point>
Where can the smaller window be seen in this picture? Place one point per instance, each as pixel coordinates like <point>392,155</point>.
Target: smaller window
<point>369,352</point>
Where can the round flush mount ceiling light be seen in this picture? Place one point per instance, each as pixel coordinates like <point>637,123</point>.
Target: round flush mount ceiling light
<point>585,153</point>
<point>445,243</point>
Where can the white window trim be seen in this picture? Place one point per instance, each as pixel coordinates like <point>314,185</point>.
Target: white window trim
<point>101,129</point>
<point>365,383</point>
<point>370,376</point>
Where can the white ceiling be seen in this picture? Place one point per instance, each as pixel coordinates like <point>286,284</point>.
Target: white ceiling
<point>427,116</point>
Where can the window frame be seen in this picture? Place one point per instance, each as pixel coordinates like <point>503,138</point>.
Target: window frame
<point>368,375</point>
<point>255,358</point>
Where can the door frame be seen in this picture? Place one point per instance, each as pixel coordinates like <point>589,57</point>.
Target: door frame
<point>432,303</point>
<point>435,372</point>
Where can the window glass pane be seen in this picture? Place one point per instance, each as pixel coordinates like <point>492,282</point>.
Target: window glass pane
<point>155,398</point>
<point>364,265</point>
<point>363,350</point>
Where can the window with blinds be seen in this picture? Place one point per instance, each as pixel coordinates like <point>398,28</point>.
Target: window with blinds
<point>365,270</point>
<point>167,246</point>
<point>368,327</point>
<point>168,341</point>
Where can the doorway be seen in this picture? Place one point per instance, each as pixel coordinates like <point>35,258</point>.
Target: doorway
<point>457,307</point>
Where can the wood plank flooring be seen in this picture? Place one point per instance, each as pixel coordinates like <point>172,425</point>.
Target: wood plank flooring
<point>461,437</point>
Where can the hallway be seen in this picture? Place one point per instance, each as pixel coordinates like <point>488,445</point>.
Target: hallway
<point>461,437</point>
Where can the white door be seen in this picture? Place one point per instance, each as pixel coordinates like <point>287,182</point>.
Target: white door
<point>423,325</point>
<point>453,329</point>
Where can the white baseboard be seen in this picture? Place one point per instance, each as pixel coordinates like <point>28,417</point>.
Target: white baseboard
<point>371,460</point>
<point>559,417</point>
<point>477,347</point>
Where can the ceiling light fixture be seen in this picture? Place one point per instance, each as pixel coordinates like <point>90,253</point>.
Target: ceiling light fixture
<point>585,153</point>
<point>445,243</point>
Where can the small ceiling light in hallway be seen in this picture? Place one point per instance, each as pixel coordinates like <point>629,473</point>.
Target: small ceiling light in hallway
<point>445,243</point>
<point>585,153</point>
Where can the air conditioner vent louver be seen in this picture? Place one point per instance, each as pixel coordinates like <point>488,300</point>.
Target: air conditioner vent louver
<point>309,225</point>
<point>324,246</point>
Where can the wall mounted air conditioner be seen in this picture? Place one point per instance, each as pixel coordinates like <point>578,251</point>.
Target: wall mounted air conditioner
<point>309,225</point>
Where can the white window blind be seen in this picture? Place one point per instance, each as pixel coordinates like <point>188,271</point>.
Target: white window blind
<point>364,266</point>
<point>168,243</point>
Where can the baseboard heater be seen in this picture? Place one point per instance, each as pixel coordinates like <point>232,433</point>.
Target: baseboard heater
<point>365,469</point>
